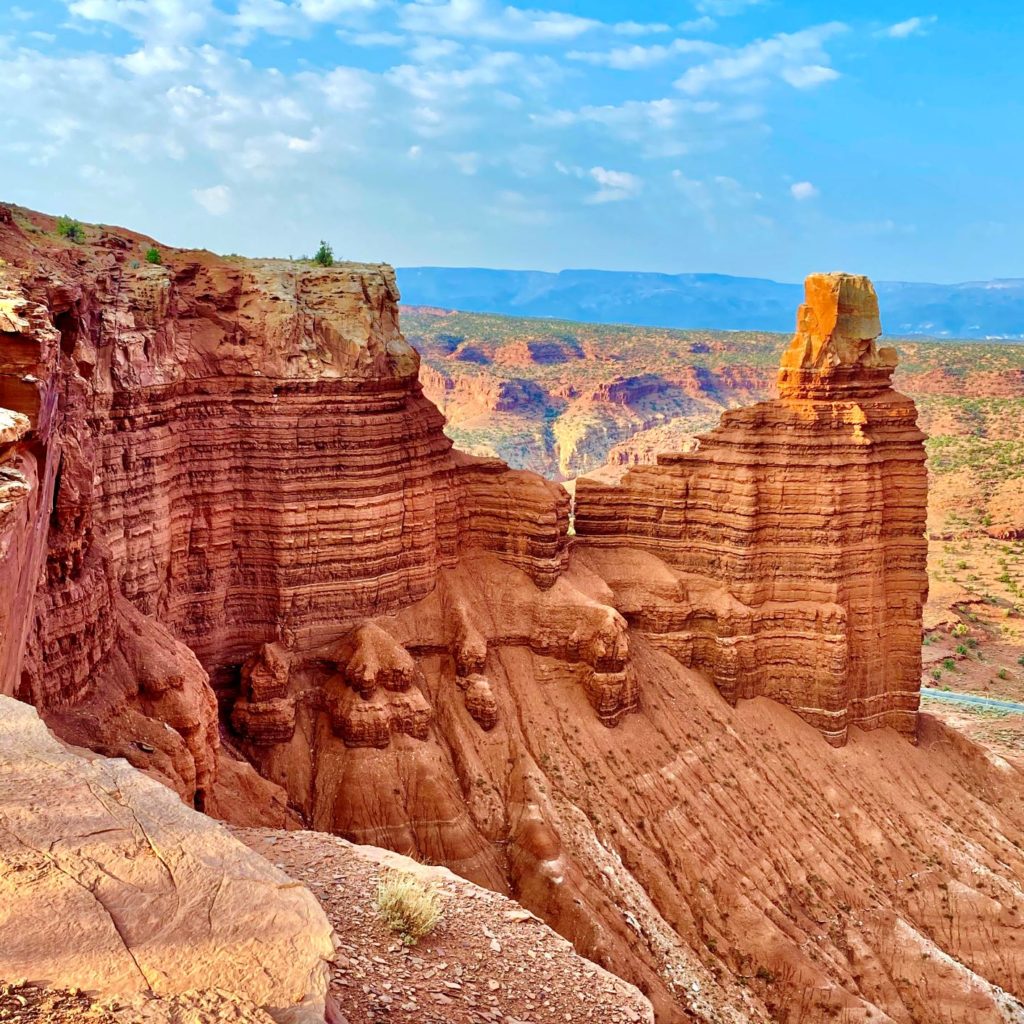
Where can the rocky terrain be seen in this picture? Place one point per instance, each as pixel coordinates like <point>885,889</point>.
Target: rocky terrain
<point>970,402</point>
<point>232,525</point>
<point>489,959</point>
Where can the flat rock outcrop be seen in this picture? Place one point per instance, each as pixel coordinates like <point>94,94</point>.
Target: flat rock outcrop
<point>791,555</point>
<point>111,885</point>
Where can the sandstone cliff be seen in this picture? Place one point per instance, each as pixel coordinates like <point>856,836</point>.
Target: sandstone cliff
<point>207,455</point>
<point>793,537</point>
<point>231,474</point>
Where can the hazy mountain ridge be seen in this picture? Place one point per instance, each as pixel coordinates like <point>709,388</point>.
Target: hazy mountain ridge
<point>974,309</point>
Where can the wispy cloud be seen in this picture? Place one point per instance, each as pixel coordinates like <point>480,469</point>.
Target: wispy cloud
<point>796,57</point>
<point>807,76</point>
<point>713,196</point>
<point>614,186</point>
<point>911,27</point>
<point>157,20</point>
<point>630,58</point>
<point>485,19</point>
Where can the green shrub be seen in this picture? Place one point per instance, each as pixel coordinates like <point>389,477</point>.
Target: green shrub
<point>70,229</point>
<point>407,906</point>
<point>153,256</point>
<point>324,255</point>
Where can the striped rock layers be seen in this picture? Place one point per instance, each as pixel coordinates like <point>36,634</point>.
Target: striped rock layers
<point>790,550</point>
<point>203,456</point>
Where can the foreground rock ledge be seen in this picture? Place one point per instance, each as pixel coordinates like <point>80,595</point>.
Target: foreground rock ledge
<point>109,883</point>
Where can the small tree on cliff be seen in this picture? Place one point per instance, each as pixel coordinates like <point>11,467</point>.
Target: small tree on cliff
<point>324,255</point>
<point>71,229</point>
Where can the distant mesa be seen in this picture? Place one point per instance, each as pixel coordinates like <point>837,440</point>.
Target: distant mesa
<point>974,309</point>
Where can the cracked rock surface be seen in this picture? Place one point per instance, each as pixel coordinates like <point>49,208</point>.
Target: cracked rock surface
<point>110,884</point>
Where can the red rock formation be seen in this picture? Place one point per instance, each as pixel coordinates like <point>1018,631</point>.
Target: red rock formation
<point>229,468</point>
<point>240,450</point>
<point>793,538</point>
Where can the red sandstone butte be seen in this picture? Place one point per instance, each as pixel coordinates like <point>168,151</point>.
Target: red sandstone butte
<point>230,520</point>
<point>794,534</point>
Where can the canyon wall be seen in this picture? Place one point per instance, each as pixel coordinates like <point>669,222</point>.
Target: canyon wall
<point>231,523</point>
<point>795,533</point>
<point>206,455</point>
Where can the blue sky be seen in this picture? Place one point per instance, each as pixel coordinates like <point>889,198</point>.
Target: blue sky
<point>759,137</point>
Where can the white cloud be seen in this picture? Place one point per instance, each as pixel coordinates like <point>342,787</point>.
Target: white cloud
<point>163,20</point>
<point>154,60</point>
<point>272,16</point>
<point>429,50</point>
<point>215,200</point>
<point>614,186</point>
<point>331,10</point>
<point>809,75</point>
<point>802,190</point>
<point>910,27</point>
<point>486,19</point>
<point>448,85</point>
<point>348,88</point>
<point>664,127</point>
<point>628,58</point>
<point>788,55</point>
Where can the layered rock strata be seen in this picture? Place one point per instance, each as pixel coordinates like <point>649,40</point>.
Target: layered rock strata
<point>791,547</point>
<point>207,455</point>
<point>226,470</point>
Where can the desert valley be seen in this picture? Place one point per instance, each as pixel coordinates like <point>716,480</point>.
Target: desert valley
<point>650,746</point>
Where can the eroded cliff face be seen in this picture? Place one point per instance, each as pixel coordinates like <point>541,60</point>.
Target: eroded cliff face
<point>207,455</point>
<point>791,544</point>
<point>229,472</point>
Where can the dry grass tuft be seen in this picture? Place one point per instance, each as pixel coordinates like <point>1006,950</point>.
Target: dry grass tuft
<point>407,906</point>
